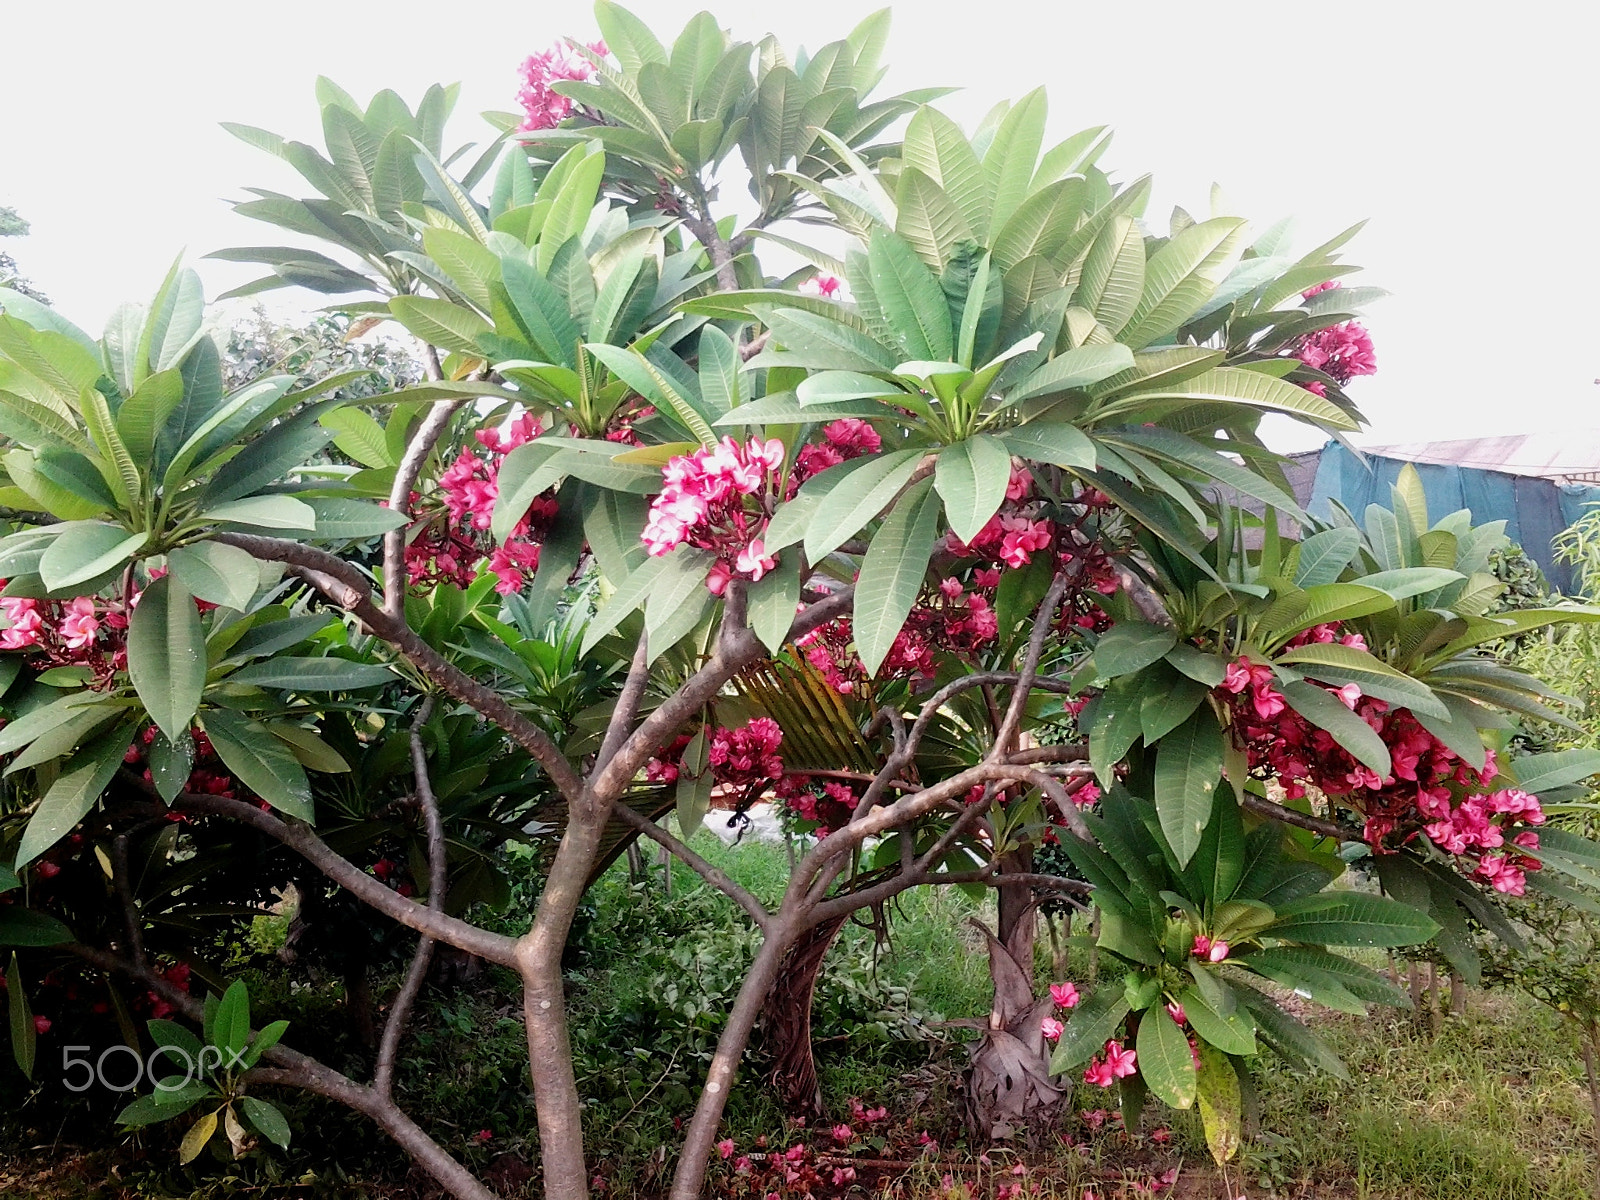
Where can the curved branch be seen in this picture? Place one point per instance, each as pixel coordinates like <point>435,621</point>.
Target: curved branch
<point>294,1069</point>
<point>1006,733</point>
<point>438,880</point>
<point>712,875</point>
<point>299,838</point>
<point>348,587</point>
<point>1277,812</point>
<point>405,478</point>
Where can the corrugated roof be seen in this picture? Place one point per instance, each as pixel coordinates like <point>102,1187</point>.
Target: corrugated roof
<point>1571,455</point>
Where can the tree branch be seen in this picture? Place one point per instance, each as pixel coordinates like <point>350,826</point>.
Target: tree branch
<point>1007,731</point>
<point>405,478</point>
<point>627,706</point>
<point>712,875</point>
<point>294,1069</point>
<point>1277,812</point>
<point>346,586</point>
<point>438,880</point>
<point>299,838</point>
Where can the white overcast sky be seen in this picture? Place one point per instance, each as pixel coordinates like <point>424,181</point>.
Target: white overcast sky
<point>1466,132</point>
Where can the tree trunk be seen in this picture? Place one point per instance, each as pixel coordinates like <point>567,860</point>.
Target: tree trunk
<point>1458,995</point>
<point>701,1135</point>
<point>1591,1038</point>
<point>786,1021</point>
<point>539,951</point>
<point>1018,912</point>
<point>1009,1085</point>
<point>1435,1017</point>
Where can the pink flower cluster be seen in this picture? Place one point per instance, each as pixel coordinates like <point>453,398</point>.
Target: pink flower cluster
<point>1209,950</point>
<point>743,758</point>
<point>1470,827</point>
<point>715,499</point>
<point>81,632</point>
<point>1341,351</point>
<point>1430,790</point>
<point>948,619</point>
<point>822,284</point>
<point>1010,538</point>
<point>1117,1063</point>
<point>828,802</point>
<point>842,440</point>
<point>1064,996</point>
<point>447,547</point>
<point>543,106</point>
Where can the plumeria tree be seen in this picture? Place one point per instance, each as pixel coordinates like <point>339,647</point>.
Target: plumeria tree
<point>936,542</point>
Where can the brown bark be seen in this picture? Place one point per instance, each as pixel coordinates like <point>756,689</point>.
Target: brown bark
<point>786,1020</point>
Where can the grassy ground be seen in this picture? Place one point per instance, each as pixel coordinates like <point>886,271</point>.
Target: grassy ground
<point>1490,1108</point>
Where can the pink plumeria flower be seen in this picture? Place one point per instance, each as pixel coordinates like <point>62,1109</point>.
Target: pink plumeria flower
<point>1219,951</point>
<point>1350,694</point>
<point>1175,1011</point>
<point>725,1148</point>
<point>1202,945</point>
<point>754,560</point>
<point>1122,1062</point>
<point>1051,1028</point>
<point>1064,995</point>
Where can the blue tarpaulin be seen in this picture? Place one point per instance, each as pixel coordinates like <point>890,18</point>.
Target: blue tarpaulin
<point>1534,509</point>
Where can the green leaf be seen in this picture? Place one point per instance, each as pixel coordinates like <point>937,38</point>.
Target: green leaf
<point>1288,1036</point>
<point>1073,369</point>
<point>1130,646</point>
<point>338,518</point>
<point>441,323</point>
<point>935,146</point>
<point>74,793</point>
<point>171,764</point>
<point>872,486</point>
<point>24,1037</point>
<point>1349,919</point>
<point>269,512</point>
<point>630,594</point>
<point>912,301</point>
<point>646,378</point>
<point>773,600</point>
<point>1088,1028</point>
<point>358,435</point>
<point>1164,1059</point>
<point>627,37</point>
<point>1188,769</point>
<point>1339,664</point>
<point>24,927</point>
<point>1307,964</point>
<point>313,675</point>
<point>1235,385</point>
<point>268,1121</point>
<point>230,1028</point>
<point>143,414</point>
<point>838,387</point>
<point>40,721</point>
<point>1327,711</point>
<point>1233,1033</point>
<point>1182,275</point>
<point>86,552</point>
<point>216,573</point>
<point>1545,772</point>
<point>167,655</point>
<point>262,762</point>
<point>683,573</point>
<point>892,572</point>
<point>1051,442</point>
<point>971,476</point>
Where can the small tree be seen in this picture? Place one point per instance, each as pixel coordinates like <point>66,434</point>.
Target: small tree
<point>960,474</point>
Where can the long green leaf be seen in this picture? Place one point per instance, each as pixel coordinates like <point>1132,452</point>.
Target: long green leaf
<point>262,762</point>
<point>1188,770</point>
<point>892,573</point>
